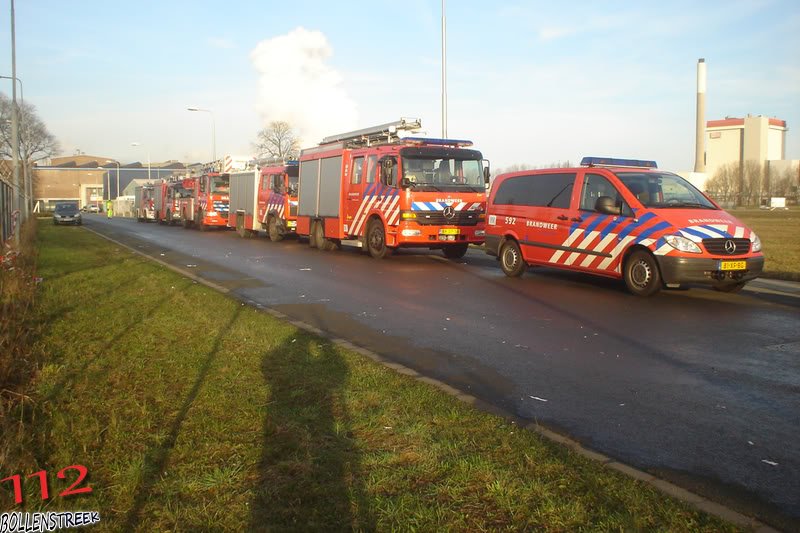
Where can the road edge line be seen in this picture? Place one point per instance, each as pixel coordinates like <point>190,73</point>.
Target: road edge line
<point>665,487</point>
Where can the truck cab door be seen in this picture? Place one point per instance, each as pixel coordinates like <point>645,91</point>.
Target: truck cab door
<point>263,197</point>
<point>355,192</point>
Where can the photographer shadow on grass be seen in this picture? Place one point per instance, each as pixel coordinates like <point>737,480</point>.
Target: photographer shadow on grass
<point>309,476</point>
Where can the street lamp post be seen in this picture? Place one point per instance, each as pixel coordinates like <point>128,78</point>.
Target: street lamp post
<point>109,178</point>
<point>15,127</point>
<point>213,130</point>
<point>27,187</point>
<point>148,159</point>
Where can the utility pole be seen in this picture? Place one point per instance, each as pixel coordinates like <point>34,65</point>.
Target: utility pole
<point>444,72</point>
<point>18,204</point>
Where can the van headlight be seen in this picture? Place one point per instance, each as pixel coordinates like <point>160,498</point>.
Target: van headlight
<point>682,244</point>
<point>755,243</point>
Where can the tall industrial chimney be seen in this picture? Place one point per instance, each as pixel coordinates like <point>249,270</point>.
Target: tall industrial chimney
<point>699,148</point>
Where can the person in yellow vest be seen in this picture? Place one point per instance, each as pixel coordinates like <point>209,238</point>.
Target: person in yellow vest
<point>109,209</point>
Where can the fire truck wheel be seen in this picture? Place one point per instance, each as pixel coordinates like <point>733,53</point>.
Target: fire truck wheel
<point>729,287</point>
<point>455,251</point>
<point>312,235</point>
<point>376,240</point>
<point>319,237</point>
<point>272,228</point>
<point>511,260</point>
<point>199,221</point>
<point>641,274</point>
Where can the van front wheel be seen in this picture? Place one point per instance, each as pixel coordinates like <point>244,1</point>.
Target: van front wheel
<point>511,260</point>
<point>641,274</point>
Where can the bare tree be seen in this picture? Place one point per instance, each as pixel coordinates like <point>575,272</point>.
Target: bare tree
<point>36,142</point>
<point>277,141</point>
<point>752,182</point>
<point>724,184</point>
<point>516,167</point>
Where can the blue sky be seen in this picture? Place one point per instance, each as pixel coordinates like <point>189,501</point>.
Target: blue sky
<point>528,82</point>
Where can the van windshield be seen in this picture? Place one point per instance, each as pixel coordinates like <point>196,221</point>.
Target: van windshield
<point>661,190</point>
<point>440,174</point>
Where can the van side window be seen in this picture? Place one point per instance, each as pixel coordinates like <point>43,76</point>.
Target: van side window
<point>371,164</point>
<point>545,190</point>
<point>358,167</point>
<point>595,186</point>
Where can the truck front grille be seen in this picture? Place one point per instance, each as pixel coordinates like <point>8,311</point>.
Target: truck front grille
<point>437,218</point>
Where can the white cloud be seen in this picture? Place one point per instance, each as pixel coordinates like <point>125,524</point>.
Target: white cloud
<point>296,84</point>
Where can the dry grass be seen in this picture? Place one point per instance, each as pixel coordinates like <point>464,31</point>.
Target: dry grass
<point>18,354</point>
<point>779,232</point>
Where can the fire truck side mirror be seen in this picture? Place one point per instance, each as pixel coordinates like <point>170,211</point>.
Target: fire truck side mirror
<point>405,183</point>
<point>486,175</point>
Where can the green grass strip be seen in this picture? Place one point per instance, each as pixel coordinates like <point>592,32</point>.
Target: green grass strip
<point>194,412</point>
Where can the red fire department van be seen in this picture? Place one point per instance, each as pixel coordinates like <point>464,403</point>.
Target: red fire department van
<point>277,199</point>
<point>207,203</point>
<point>376,189</point>
<point>622,219</point>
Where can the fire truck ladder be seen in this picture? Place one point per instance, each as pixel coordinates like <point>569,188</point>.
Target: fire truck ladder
<point>382,134</point>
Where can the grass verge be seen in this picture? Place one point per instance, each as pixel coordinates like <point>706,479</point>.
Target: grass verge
<point>779,232</point>
<point>18,353</point>
<point>194,412</point>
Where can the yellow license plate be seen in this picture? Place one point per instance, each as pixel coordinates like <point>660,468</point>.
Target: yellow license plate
<point>733,265</point>
<point>448,231</point>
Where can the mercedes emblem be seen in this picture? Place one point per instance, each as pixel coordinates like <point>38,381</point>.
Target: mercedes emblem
<point>449,212</point>
<point>730,246</point>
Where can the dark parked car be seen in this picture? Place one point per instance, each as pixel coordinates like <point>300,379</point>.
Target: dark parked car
<point>67,214</point>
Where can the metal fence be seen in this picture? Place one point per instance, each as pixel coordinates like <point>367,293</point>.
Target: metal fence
<point>7,219</point>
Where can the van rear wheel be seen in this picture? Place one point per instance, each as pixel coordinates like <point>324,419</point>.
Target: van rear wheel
<point>641,274</point>
<point>511,260</point>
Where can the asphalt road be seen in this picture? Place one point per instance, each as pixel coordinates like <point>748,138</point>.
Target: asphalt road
<point>696,386</point>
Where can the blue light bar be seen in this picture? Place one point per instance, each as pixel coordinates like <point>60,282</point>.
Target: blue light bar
<point>292,163</point>
<point>615,162</point>
<point>438,142</point>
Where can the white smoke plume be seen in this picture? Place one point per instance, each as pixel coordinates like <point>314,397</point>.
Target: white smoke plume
<point>297,86</point>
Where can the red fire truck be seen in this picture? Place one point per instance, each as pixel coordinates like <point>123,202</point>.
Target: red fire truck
<point>168,194</point>
<point>264,199</point>
<point>143,203</point>
<point>277,199</point>
<point>381,190</point>
<point>207,202</point>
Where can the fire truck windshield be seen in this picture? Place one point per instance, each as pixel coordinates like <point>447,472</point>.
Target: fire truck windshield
<point>219,184</point>
<point>443,174</point>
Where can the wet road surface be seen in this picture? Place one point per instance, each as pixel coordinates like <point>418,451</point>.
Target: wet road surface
<point>695,386</point>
